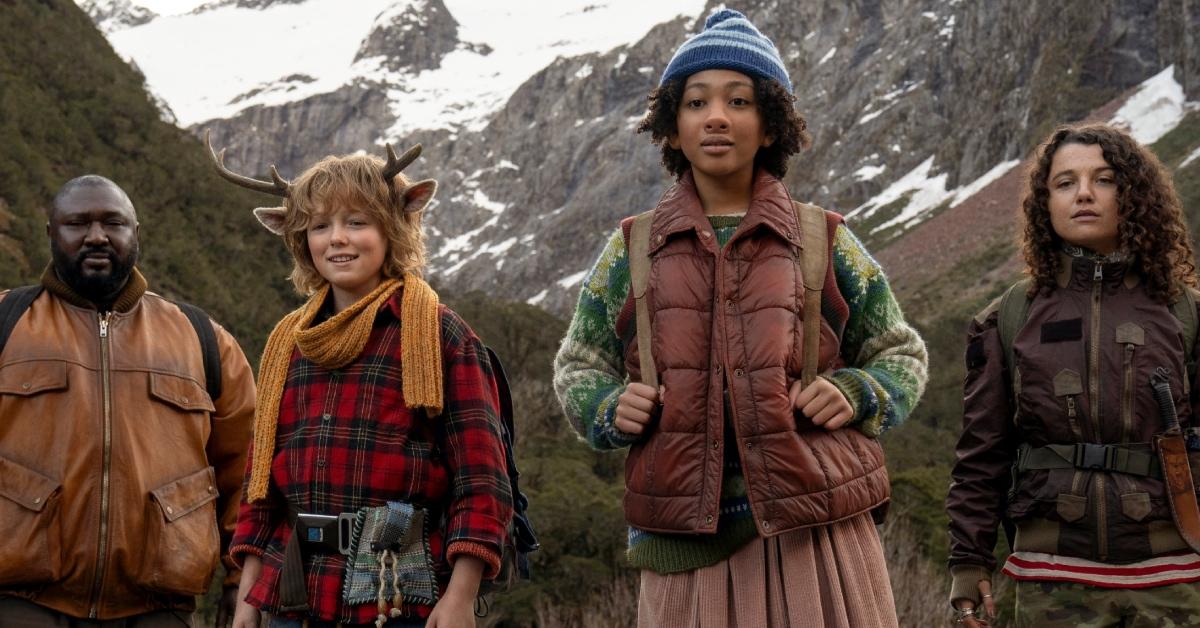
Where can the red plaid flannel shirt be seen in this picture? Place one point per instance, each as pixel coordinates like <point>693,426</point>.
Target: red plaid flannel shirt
<point>346,440</point>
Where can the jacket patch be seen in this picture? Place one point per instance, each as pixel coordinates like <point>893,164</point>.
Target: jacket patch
<point>1062,331</point>
<point>976,356</point>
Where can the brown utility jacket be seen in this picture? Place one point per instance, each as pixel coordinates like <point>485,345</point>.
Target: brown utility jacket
<point>730,320</point>
<point>119,477</point>
<point>1082,361</point>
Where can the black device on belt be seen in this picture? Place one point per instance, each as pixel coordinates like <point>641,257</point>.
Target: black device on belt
<point>325,533</point>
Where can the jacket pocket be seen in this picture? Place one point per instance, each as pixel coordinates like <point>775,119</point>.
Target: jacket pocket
<point>183,393</point>
<point>1068,386</point>
<point>1071,508</point>
<point>31,543</point>
<point>182,541</point>
<point>26,379</point>
<point>1135,505</point>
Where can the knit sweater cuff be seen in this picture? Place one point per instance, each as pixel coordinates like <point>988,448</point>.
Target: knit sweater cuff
<point>858,391</point>
<point>470,548</point>
<point>237,554</point>
<point>965,582</point>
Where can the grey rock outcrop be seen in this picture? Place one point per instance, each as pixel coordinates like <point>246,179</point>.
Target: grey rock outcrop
<point>114,15</point>
<point>413,39</point>
<point>527,202</point>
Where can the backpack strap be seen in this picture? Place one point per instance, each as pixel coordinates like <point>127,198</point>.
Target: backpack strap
<point>208,347</point>
<point>13,307</point>
<point>1184,309</point>
<point>524,535</point>
<point>814,262</point>
<point>1014,309</point>
<point>639,274</point>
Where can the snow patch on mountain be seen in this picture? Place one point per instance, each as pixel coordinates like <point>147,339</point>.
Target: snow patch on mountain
<point>1156,108</point>
<point>217,61</point>
<point>922,191</point>
<point>1193,156</point>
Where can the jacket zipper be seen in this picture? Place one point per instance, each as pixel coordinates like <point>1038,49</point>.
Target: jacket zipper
<point>1127,396</point>
<point>1094,397</point>
<point>1101,518</point>
<point>726,384</point>
<point>107,462</point>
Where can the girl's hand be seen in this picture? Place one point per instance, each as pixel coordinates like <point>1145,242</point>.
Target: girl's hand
<point>822,402</point>
<point>636,407</point>
<point>979,620</point>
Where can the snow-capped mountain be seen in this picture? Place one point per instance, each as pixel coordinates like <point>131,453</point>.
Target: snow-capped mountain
<point>527,109</point>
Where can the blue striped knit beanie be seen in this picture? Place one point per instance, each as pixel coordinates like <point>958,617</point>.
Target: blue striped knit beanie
<point>728,42</point>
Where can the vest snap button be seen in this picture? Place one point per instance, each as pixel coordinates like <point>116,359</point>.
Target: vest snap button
<point>26,386</point>
<point>708,519</point>
<point>766,524</point>
<point>716,444</point>
<point>739,372</point>
<point>729,304</point>
<point>749,444</point>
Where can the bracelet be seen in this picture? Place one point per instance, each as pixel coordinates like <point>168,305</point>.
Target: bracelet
<point>963,613</point>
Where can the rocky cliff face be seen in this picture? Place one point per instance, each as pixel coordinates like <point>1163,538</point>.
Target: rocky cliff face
<point>918,93</point>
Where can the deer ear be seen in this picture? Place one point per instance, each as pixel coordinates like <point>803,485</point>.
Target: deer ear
<point>418,195</point>
<point>272,218</point>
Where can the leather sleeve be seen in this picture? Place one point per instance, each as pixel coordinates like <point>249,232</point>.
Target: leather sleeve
<point>985,451</point>
<point>232,424</point>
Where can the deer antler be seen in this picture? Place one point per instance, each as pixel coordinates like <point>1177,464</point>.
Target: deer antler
<point>394,165</point>
<point>279,186</point>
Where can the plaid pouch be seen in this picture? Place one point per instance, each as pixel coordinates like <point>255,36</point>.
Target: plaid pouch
<point>390,557</point>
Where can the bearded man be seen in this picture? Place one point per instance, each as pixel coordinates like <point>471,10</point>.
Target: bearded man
<point>124,423</point>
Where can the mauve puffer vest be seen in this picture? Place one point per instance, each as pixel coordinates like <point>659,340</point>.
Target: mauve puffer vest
<point>732,316</point>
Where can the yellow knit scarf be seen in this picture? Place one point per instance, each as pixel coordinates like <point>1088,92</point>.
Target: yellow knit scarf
<point>338,341</point>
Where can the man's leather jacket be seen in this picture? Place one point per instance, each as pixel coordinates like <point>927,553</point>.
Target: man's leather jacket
<point>119,477</point>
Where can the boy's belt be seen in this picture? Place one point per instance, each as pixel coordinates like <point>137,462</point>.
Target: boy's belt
<point>312,533</point>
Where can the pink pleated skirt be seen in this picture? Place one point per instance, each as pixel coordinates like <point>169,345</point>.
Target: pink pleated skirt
<point>830,576</point>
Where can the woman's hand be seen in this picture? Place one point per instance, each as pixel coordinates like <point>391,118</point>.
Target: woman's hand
<point>636,407</point>
<point>977,620</point>
<point>822,402</point>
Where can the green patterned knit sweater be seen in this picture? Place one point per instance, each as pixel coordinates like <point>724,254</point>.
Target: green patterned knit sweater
<point>884,380</point>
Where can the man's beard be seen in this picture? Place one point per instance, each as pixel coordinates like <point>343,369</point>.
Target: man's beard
<point>101,290</point>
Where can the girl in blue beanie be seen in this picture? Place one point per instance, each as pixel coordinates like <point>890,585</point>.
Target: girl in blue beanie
<point>697,342</point>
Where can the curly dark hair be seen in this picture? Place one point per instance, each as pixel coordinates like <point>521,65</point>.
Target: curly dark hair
<point>1151,227</point>
<point>781,122</point>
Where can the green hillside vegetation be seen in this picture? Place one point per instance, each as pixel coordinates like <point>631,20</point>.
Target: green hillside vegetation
<point>70,106</point>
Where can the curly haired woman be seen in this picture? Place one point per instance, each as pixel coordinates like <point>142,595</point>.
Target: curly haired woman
<point>1059,411</point>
